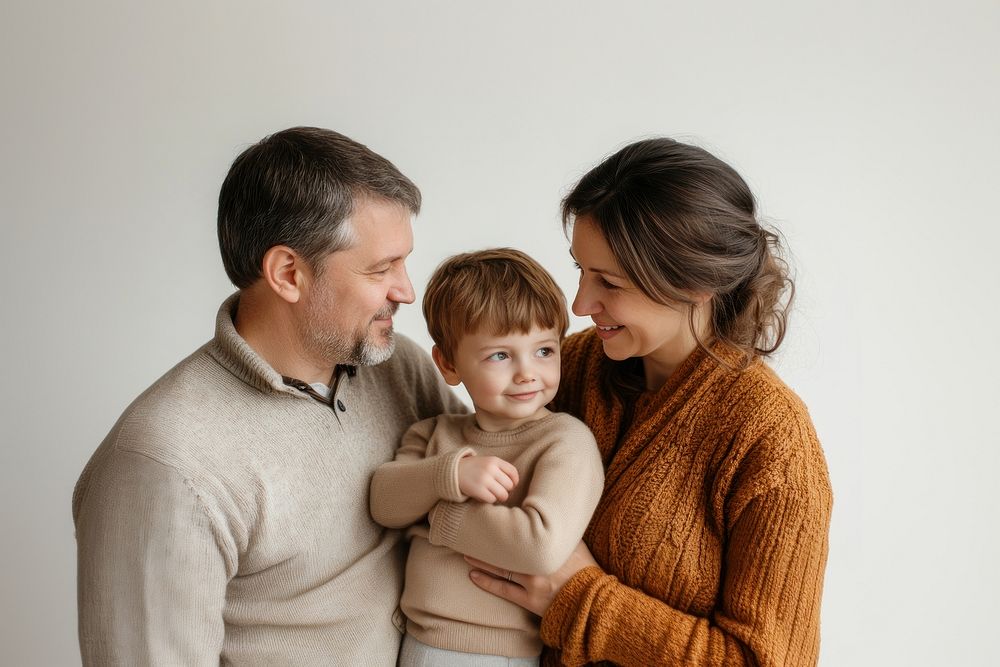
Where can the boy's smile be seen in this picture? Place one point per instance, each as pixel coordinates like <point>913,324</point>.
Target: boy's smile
<point>511,378</point>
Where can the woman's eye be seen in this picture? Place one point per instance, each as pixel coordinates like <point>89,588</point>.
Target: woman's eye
<point>607,285</point>
<point>498,356</point>
<point>576,265</point>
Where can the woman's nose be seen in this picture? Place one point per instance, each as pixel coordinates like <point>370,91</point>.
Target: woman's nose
<point>583,304</point>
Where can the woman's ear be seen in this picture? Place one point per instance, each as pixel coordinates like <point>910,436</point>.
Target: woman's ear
<point>701,298</point>
<point>448,370</point>
<point>282,269</point>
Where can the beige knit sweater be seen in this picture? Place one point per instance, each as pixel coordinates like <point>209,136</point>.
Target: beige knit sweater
<point>534,531</point>
<point>225,516</point>
<point>712,531</point>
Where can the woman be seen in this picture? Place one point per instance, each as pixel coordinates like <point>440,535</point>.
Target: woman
<point>710,540</point>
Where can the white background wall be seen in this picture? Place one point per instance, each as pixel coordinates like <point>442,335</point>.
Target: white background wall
<point>868,130</point>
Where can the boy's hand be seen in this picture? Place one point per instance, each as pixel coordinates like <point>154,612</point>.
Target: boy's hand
<point>486,478</point>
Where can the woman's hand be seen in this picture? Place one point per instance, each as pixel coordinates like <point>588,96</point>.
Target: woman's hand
<point>534,593</point>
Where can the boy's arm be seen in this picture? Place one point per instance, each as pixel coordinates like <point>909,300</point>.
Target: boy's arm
<point>538,536</point>
<point>406,488</point>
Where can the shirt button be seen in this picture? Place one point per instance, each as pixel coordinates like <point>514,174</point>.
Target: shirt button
<point>341,406</point>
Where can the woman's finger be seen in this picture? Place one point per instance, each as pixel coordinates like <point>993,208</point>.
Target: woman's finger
<point>489,568</point>
<point>508,590</point>
<point>496,572</point>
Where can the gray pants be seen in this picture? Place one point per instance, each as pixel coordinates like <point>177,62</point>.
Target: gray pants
<point>415,654</point>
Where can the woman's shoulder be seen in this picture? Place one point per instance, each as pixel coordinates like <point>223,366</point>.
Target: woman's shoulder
<point>775,437</point>
<point>755,393</point>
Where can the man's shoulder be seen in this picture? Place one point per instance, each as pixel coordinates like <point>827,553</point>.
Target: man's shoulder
<point>158,425</point>
<point>196,386</point>
<point>410,378</point>
<point>180,414</point>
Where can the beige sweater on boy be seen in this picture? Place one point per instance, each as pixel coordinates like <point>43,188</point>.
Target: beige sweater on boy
<point>534,531</point>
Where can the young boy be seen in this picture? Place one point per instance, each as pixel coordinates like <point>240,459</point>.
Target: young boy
<point>513,484</point>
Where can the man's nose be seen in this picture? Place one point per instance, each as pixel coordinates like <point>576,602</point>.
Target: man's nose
<point>402,290</point>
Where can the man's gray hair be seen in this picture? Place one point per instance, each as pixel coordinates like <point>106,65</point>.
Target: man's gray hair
<point>297,188</point>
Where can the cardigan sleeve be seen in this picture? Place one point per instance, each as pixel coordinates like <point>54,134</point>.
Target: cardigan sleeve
<point>405,489</point>
<point>152,567</point>
<point>768,613</point>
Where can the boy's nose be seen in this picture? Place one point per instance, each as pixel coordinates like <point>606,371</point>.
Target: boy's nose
<point>524,375</point>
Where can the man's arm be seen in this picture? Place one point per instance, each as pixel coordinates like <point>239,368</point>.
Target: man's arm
<point>152,567</point>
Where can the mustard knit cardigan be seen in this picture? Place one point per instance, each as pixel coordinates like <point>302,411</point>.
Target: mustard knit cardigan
<point>712,531</point>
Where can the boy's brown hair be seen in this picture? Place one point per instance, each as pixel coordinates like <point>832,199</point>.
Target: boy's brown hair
<point>500,290</point>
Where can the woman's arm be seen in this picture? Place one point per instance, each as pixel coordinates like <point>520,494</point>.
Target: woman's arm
<point>768,613</point>
<point>405,489</point>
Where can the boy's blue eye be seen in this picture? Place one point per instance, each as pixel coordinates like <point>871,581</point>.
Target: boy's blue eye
<point>545,352</point>
<point>498,356</point>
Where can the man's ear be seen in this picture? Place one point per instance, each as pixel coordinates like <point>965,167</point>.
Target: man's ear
<point>448,371</point>
<point>283,271</point>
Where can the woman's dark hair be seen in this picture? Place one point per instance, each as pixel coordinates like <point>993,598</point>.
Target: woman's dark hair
<point>680,221</point>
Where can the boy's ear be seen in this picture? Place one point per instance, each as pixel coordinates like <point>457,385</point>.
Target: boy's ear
<point>448,371</point>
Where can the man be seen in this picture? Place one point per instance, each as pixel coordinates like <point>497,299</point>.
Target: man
<point>224,517</point>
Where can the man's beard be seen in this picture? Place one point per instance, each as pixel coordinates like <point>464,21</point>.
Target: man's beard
<point>362,347</point>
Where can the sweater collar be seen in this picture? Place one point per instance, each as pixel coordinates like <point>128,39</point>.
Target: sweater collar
<point>477,436</point>
<point>236,355</point>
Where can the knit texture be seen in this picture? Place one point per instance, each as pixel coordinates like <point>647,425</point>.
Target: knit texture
<point>711,534</point>
<point>533,531</point>
<point>225,519</point>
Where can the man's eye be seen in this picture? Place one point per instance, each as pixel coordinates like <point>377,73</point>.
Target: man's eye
<point>498,356</point>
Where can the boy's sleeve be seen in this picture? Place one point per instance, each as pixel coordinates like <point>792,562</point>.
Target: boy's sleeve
<point>405,489</point>
<point>538,536</point>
